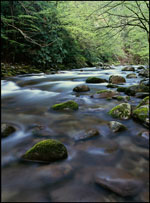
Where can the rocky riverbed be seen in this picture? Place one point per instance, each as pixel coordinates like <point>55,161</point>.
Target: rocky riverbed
<point>79,135</point>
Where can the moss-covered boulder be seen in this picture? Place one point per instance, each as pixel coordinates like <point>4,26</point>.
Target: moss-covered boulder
<point>71,105</point>
<point>47,150</point>
<point>95,80</point>
<point>81,88</point>
<point>7,129</point>
<point>121,89</point>
<point>121,111</point>
<point>116,126</point>
<point>122,98</point>
<point>111,85</point>
<point>131,75</point>
<point>145,101</point>
<point>144,73</point>
<point>141,113</point>
<point>132,90</point>
<point>128,68</point>
<point>116,79</point>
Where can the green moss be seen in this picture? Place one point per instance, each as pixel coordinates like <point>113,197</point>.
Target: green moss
<point>112,86</point>
<point>144,101</point>
<point>102,91</point>
<point>121,89</point>
<point>95,80</point>
<point>122,111</point>
<point>47,150</point>
<point>120,98</point>
<point>66,105</point>
<point>141,113</point>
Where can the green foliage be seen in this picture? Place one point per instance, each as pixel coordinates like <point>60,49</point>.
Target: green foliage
<point>55,33</point>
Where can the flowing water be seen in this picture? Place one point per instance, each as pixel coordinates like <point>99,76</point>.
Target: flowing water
<point>26,101</point>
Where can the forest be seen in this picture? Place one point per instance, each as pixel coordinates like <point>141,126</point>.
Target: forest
<point>73,34</point>
<point>75,101</point>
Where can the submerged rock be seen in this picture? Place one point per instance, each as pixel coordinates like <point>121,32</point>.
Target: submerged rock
<point>81,88</point>
<point>118,181</point>
<point>128,69</point>
<point>121,89</point>
<point>87,134</point>
<point>65,106</point>
<point>116,79</point>
<point>141,94</point>
<point>95,80</point>
<point>131,75</point>
<point>47,150</point>
<point>122,111</point>
<point>116,126</point>
<point>7,129</point>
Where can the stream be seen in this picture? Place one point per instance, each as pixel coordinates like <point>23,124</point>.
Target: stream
<point>26,103</point>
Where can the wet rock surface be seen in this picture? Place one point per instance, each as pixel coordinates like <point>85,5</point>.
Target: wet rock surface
<point>116,126</point>
<point>7,129</point>
<point>81,88</point>
<point>122,111</point>
<point>116,79</point>
<point>118,181</point>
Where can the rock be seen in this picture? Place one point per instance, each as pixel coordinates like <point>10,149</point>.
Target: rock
<point>142,139</point>
<point>145,82</point>
<point>121,111</point>
<point>128,69</point>
<point>116,79</point>
<point>119,181</point>
<point>142,114</point>
<point>104,94</point>
<point>66,105</point>
<point>111,85</point>
<point>121,89</point>
<point>116,126</point>
<point>47,150</point>
<point>95,80</point>
<point>145,101</point>
<point>122,98</point>
<point>131,75</point>
<point>83,135</point>
<point>144,73</point>
<point>7,129</point>
<point>140,67</point>
<point>141,94</point>
<point>132,90</point>
<point>81,88</point>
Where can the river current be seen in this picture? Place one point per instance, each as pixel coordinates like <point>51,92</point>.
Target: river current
<point>26,103</point>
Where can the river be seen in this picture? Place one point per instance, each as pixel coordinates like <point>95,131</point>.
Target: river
<point>26,103</point>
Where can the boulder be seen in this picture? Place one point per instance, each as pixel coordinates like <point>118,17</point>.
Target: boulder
<point>116,79</point>
<point>144,73</point>
<point>116,126</point>
<point>141,94</point>
<point>122,98</point>
<point>131,75</point>
<point>119,181</point>
<point>111,85</point>
<point>47,150</point>
<point>145,82</point>
<point>71,105</point>
<point>132,90</point>
<point>121,89</point>
<point>121,111</point>
<point>81,88</point>
<point>95,80</point>
<point>145,101</point>
<point>141,113</point>
<point>128,69</point>
<point>104,94</point>
<point>7,129</point>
